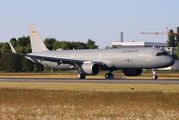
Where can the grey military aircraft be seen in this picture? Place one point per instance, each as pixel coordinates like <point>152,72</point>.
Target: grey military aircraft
<point>91,61</point>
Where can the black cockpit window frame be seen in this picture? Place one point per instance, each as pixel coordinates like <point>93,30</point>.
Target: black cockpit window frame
<point>162,54</point>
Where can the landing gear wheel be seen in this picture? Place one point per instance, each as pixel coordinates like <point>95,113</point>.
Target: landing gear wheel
<point>81,76</point>
<point>109,76</point>
<point>154,72</point>
<point>155,77</point>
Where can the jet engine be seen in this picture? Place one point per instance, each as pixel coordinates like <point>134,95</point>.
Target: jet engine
<point>90,69</point>
<point>132,72</point>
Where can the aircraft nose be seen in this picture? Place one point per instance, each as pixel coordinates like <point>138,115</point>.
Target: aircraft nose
<point>171,61</point>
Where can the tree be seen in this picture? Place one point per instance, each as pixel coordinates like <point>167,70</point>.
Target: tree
<point>91,44</point>
<point>13,42</point>
<point>171,41</point>
<point>55,45</point>
<point>65,45</point>
<point>5,47</point>
<point>177,40</point>
<point>79,45</point>
<point>177,37</point>
<point>10,63</point>
<point>27,65</point>
<point>108,47</point>
<point>23,41</point>
<point>177,52</point>
<point>49,42</point>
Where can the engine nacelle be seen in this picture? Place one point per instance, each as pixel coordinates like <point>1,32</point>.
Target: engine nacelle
<point>132,72</point>
<point>90,69</point>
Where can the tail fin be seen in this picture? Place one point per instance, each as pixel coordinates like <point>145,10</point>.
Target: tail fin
<point>37,43</point>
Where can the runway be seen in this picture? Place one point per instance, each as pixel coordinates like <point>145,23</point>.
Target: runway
<point>67,80</point>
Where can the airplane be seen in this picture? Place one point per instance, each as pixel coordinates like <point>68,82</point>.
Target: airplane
<point>91,61</point>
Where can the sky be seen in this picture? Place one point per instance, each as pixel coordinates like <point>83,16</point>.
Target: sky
<point>80,20</point>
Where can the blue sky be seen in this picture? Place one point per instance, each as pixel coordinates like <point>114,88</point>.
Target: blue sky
<point>80,20</point>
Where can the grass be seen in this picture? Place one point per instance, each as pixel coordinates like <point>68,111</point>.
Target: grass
<point>93,86</point>
<point>76,104</point>
<point>92,101</point>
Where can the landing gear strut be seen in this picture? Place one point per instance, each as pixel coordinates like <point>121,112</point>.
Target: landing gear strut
<point>109,75</point>
<point>81,76</point>
<point>154,72</point>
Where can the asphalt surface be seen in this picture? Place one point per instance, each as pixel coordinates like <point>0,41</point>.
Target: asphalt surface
<point>69,80</point>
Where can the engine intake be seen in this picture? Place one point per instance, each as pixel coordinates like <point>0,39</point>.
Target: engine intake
<point>90,69</point>
<point>132,72</point>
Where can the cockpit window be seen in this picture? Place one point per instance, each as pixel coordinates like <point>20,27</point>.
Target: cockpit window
<point>162,54</point>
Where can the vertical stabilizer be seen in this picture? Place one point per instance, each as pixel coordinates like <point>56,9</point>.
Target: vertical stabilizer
<point>36,41</point>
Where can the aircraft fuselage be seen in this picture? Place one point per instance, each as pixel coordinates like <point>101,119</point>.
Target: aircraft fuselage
<point>124,58</point>
<point>92,61</point>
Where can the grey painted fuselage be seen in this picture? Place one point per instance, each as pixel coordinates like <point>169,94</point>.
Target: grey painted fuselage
<point>92,61</point>
<point>124,58</point>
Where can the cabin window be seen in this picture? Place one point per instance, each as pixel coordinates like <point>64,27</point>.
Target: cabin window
<point>162,54</point>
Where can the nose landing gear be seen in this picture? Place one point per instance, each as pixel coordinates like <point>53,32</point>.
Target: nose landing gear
<point>154,74</point>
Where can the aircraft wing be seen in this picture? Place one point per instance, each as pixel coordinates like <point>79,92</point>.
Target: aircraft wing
<point>58,60</point>
<point>62,60</point>
<point>54,59</point>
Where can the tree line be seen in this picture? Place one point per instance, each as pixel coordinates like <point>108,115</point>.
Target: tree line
<point>173,41</point>
<point>16,63</point>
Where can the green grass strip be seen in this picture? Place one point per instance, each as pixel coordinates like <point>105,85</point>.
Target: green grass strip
<point>92,86</point>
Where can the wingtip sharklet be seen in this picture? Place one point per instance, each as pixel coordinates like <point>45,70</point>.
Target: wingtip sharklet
<point>12,48</point>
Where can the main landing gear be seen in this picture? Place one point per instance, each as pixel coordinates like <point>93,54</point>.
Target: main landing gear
<point>154,72</point>
<point>81,76</point>
<point>109,75</point>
